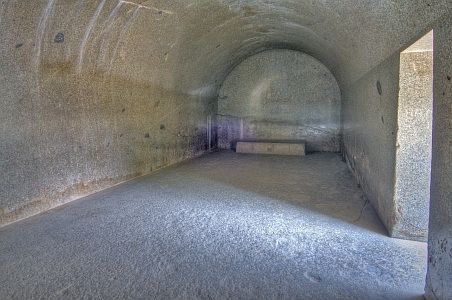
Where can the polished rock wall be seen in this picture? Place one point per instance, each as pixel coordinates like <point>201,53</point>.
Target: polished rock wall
<point>280,95</point>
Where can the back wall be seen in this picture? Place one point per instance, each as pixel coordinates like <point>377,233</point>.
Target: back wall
<point>280,94</point>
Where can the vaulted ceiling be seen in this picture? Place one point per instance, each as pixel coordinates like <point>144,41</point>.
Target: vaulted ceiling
<point>191,45</point>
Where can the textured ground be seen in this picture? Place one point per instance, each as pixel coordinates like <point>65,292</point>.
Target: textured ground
<point>222,226</point>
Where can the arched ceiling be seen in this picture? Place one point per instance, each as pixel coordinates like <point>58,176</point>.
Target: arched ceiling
<point>349,37</point>
<point>191,45</point>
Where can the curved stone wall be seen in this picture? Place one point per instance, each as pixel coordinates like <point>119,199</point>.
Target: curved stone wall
<point>280,95</point>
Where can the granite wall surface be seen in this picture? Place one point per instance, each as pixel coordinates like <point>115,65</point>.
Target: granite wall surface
<point>280,95</point>
<point>413,145</point>
<point>369,128</point>
<point>439,274</point>
<point>387,139</point>
<point>89,98</point>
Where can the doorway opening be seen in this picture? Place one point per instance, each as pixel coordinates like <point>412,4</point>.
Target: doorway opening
<point>414,141</point>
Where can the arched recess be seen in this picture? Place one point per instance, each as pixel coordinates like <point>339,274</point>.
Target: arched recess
<point>280,95</point>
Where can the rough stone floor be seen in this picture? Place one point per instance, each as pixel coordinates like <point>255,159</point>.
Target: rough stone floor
<point>221,226</point>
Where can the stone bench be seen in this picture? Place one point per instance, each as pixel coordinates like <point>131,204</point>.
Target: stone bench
<point>279,147</point>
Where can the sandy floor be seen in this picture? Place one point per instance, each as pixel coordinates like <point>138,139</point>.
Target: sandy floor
<point>222,226</point>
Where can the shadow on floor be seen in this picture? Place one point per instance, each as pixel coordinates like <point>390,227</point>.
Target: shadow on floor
<point>320,182</point>
<point>221,226</point>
